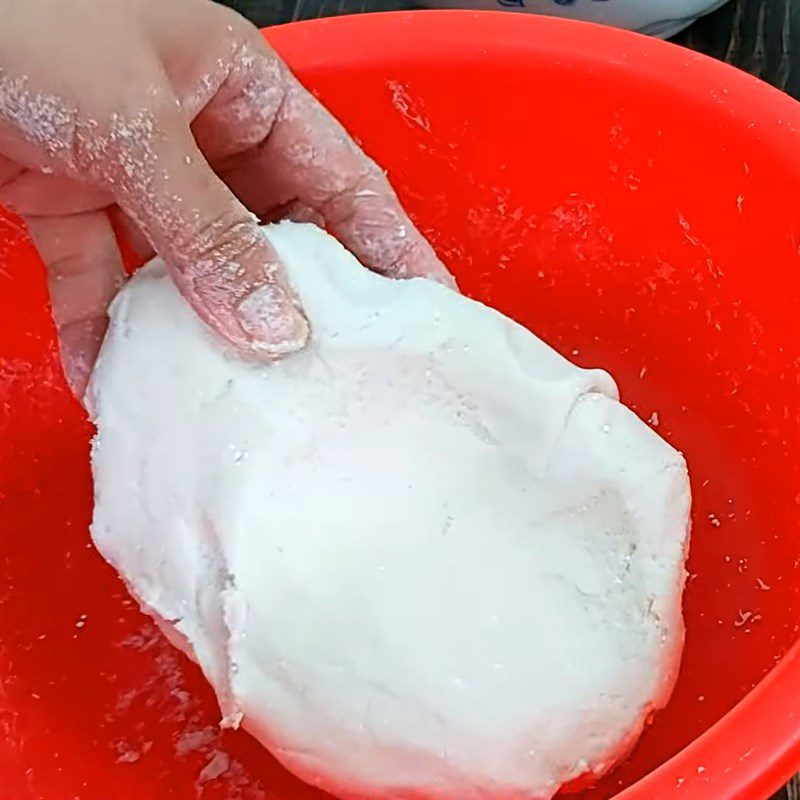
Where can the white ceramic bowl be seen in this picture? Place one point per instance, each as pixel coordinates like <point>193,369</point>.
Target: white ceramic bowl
<point>661,18</point>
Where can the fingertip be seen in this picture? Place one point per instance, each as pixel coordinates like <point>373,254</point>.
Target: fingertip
<point>79,345</point>
<point>419,260</point>
<point>438,273</point>
<point>272,322</point>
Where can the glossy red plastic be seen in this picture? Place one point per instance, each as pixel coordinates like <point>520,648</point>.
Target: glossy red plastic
<point>635,204</point>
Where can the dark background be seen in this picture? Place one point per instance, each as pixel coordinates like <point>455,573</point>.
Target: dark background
<point>761,37</point>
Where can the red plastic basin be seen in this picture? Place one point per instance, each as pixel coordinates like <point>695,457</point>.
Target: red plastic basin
<point>635,204</point>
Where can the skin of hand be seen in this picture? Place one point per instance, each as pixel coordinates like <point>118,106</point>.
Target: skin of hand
<point>175,122</point>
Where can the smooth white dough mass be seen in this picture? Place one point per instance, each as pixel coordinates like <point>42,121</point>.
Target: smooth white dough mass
<point>425,557</point>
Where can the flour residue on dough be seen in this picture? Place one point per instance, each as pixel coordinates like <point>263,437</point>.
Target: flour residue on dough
<point>426,555</point>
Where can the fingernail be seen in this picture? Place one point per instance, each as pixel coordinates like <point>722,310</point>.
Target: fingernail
<point>272,320</point>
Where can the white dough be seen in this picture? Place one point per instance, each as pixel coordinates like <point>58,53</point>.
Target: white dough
<point>424,557</point>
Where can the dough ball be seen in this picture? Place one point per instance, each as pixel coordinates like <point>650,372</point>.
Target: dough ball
<point>426,557</point>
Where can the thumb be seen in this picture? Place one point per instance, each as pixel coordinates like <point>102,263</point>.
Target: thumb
<point>219,259</point>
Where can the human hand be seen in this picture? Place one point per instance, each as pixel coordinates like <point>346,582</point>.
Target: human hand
<point>176,121</point>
